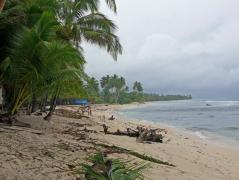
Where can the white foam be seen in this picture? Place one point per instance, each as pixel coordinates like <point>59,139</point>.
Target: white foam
<point>200,135</point>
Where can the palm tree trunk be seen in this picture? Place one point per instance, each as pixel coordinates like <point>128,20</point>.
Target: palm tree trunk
<point>18,100</point>
<point>116,97</point>
<point>29,108</point>
<point>33,103</point>
<point>44,103</point>
<point>53,105</point>
<point>2,3</point>
<point>52,108</point>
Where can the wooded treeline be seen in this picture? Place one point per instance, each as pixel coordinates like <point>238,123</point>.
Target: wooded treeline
<point>113,89</point>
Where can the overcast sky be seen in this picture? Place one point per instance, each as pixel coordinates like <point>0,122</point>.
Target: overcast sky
<point>175,46</point>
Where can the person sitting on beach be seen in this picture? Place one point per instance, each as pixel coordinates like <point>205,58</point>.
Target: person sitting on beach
<point>112,118</point>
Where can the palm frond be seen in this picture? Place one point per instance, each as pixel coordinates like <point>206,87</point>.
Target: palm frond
<point>112,5</point>
<point>46,26</point>
<point>97,21</point>
<point>102,168</point>
<point>104,40</point>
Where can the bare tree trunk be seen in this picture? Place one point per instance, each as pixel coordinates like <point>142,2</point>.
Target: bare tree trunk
<point>2,3</point>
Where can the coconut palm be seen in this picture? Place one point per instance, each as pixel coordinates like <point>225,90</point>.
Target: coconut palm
<point>113,86</point>
<point>104,81</point>
<point>82,22</point>
<point>38,61</point>
<point>92,87</point>
<point>137,86</point>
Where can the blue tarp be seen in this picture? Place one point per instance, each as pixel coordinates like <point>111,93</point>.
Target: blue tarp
<point>83,102</point>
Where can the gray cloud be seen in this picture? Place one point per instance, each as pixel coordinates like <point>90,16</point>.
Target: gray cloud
<point>186,46</point>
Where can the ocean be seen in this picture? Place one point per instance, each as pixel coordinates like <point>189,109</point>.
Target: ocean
<point>212,120</point>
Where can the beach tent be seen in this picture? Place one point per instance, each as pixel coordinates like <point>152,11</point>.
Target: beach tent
<point>82,102</point>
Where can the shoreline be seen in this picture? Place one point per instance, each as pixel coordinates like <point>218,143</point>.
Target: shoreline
<point>208,137</point>
<point>195,158</point>
<point>45,150</point>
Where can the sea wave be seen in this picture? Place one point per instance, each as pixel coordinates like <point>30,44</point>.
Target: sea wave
<point>200,135</point>
<point>199,129</point>
<point>232,128</point>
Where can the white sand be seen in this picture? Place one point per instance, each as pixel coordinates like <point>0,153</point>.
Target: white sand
<point>194,158</point>
<point>27,155</point>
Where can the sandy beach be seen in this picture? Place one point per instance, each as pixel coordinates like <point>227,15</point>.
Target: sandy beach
<point>49,150</point>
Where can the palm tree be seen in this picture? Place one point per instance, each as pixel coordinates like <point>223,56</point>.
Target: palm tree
<point>41,62</point>
<point>104,81</point>
<point>92,89</point>
<point>114,86</point>
<point>38,61</point>
<point>82,22</point>
<point>137,86</point>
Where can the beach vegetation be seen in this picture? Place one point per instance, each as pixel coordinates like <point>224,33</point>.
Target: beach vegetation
<point>41,57</point>
<point>113,89</point>
<point>99,167</point>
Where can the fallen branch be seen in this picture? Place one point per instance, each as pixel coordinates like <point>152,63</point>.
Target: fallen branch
<point>116,149</point>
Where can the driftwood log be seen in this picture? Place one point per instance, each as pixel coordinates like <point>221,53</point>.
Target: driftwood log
<point>142,134</point>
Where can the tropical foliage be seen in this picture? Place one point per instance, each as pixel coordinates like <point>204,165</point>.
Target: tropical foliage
<point>113,87</point>
<point>41,55</point>
<point>137,87</point>
<point>102,168</point>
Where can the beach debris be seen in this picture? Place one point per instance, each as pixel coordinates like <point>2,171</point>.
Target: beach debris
<point>142,134</point>
<point>12,121</point>
<point>99,166</point>
<point>79,134</point>
<point>110,149</point>
<point>79,124</point>
<point>70,114</point>
<point>85,109</point>
<point>147,135</point>
<point>38,113</point>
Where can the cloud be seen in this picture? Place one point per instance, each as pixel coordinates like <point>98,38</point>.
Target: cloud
<point>185,46</point>
<point>158,46</point>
